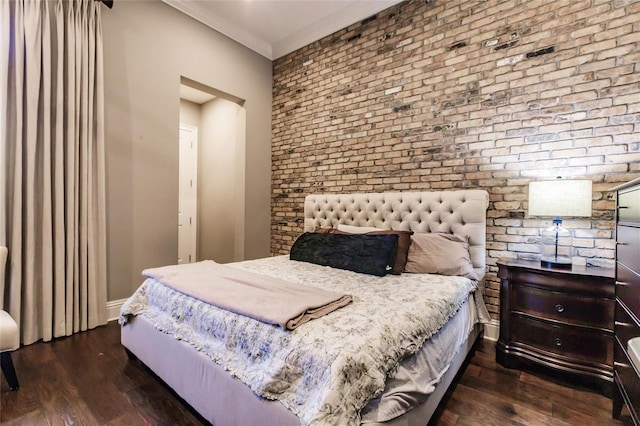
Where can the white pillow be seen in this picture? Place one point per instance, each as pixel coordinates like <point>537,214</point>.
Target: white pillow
<point>358,229</point>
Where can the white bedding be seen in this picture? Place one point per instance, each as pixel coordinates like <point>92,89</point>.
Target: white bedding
<point>319,371</point>
<point>417,376</point>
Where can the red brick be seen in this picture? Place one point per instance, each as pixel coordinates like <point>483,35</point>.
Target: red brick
<point>459,120</point>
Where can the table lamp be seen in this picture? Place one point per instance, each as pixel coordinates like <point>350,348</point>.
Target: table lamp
<point>559,198</point>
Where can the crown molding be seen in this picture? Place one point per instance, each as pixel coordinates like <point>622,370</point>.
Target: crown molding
<point>233,31</point>
<point>350,14</point>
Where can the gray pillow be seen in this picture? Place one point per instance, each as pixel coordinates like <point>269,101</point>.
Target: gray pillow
<point>439,253</point>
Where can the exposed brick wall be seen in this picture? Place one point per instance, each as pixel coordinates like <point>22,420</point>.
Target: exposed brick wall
<point>436,95</point>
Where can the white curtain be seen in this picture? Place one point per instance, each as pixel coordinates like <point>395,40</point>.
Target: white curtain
<point>52,166</point>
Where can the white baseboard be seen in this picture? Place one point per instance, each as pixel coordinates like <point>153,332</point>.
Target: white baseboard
<point>113,309</point>
<point>492,330</point>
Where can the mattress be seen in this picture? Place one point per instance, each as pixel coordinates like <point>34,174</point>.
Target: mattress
<point>299,395</point>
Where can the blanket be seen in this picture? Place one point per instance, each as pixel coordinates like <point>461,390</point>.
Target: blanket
<point>260,297</point>
<point>328,370</point>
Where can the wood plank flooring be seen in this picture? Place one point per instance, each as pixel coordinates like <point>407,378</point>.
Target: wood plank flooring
<point>87,379</point>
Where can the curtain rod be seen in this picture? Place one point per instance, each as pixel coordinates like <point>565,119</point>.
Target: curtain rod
<point>108,3</point>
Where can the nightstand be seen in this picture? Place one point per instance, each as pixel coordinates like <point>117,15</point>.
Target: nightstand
<point>558,321</point>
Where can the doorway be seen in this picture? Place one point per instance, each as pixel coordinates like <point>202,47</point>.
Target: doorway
<point>218,121</point>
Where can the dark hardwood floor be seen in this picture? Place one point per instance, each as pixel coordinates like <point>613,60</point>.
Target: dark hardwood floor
<point>87,379</point>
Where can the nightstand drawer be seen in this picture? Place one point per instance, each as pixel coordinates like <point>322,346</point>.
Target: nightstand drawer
<point>628,288</point>
<point>562,307</point>
<point>628,377</point>
<point>573,343</point>
<point>627,243</point>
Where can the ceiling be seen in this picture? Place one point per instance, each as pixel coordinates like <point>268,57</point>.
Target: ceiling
<point>274,28</point>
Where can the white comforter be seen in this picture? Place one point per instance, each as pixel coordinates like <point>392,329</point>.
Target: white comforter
<point>328,369</point>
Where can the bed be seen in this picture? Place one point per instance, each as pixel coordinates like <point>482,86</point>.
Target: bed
<point>400,389</point>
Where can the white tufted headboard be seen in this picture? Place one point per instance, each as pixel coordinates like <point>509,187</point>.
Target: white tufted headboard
<point>462,213</point>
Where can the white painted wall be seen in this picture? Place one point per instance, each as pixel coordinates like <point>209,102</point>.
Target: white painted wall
<point>220,187</point>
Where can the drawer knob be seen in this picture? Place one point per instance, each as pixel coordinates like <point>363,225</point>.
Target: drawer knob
<point>559,308</point>
<point>557,341</point>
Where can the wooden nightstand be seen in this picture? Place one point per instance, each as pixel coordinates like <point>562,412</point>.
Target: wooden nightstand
<point>558,320</point>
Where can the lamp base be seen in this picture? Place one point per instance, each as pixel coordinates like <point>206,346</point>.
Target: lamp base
<point>556,263</point>
<point>556,246</point>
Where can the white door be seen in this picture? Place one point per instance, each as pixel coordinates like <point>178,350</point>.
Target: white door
<point>188,194</point>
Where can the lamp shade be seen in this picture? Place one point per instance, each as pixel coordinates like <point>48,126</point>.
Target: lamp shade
<point>560,198</point>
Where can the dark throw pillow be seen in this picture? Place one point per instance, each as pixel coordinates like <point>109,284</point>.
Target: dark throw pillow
<point>404,241</point>
<point>367,254</point>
